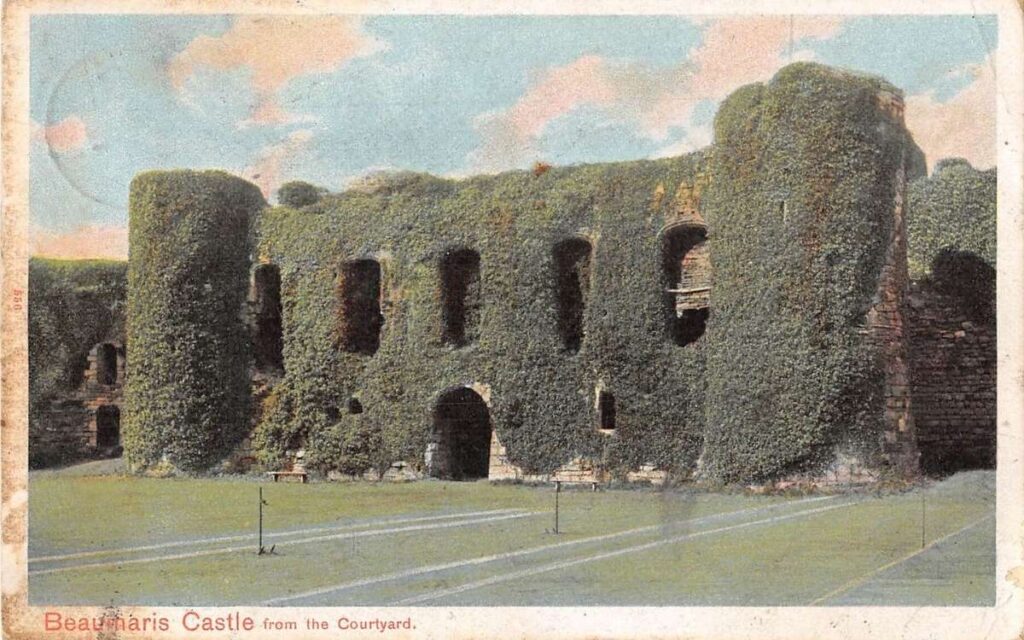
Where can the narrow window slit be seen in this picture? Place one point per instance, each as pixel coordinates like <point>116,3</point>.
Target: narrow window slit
<point>606,411</point>
<point>268,342</point>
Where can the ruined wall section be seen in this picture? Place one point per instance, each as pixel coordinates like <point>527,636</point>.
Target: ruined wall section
<point>75,307</point>
<point>70,420</point>
<point>543,406</point>
<point>953,361</point>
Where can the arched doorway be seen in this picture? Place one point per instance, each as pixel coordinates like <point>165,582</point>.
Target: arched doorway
<point>108,426</point>
<point>462,436</point>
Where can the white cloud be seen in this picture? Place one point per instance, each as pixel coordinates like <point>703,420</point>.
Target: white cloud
<point>274,50</point>
<point>733,52</point>
<point>963,126</point>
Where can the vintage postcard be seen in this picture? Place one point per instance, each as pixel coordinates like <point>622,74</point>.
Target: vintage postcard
<point>381,319</point>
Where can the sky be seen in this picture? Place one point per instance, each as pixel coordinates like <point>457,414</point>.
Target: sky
<point>329,99</point>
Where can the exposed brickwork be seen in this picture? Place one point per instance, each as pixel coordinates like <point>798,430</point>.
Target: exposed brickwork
<point>695,281</point>
<point>65,428</point>
<point>693,291</point>
<point>886,324</point>
<point>953,360</point>
<point>686,209</point>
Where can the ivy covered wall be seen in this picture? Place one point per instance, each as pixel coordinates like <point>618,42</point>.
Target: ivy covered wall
<point>799,211</point>
<point>73,305</point>
<point>542,394</point>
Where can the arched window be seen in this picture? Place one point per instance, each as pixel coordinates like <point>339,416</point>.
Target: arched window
<point>361,317</point>
<point>686,281</point>
<point>572,284</point>
<point>460,297</point>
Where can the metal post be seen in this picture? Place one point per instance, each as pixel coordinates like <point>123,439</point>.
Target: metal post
<point>558,489</point>
<point>922,519</point>
<point>261,522</point>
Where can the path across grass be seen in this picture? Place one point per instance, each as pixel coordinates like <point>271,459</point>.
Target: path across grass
<point>116,540</point>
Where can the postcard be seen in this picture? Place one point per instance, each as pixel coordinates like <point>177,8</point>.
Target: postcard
<point>512,319</point>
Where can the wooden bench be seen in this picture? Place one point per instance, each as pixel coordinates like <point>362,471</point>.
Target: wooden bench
<point>300,474</point>
<point>559,483</point>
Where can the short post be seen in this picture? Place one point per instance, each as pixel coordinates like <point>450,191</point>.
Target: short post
<point>922,519</point>
<point>262,502</point>
<point>558,489</point>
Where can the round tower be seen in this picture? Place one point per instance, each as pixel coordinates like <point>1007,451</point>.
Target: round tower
<point>187,399</point>
<point>806,353</point>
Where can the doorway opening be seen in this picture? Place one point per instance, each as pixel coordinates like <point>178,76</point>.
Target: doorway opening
<point>108,426</point>
<point>462,436</point>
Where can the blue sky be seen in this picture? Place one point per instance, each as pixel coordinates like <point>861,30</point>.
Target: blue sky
<point>330,99</point>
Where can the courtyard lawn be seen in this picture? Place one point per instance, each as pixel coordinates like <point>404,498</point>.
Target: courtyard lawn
<point>123,540</point>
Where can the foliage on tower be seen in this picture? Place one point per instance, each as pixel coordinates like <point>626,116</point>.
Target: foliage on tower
<point>187,396</point>
<point>800,212</point>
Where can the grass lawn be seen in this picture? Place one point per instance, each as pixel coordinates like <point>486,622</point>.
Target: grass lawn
<point>112,539</point>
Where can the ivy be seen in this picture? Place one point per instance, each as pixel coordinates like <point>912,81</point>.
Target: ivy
<point>187,397</point>
<point>298,194</point>
<point>542,396</point>
<point>955,209</point>
<point>799,211</point>
<point>969,281</point>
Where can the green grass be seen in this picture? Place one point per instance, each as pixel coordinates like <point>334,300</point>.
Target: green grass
<point>797,560</point>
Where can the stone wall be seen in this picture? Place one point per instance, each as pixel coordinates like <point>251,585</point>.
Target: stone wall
<point>64,430</point>
<point>71,421</point>
<point>578,470</point>
<point>953,362</point>
<point>886,323</point>
<point>693,291</point>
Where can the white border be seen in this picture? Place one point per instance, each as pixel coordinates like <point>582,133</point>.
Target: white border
<point>1005,620</point>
